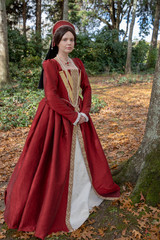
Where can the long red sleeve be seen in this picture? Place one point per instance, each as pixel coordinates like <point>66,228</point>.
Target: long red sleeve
<point>51,92</point>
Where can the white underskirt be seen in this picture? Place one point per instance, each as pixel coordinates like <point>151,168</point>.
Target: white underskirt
<point>83,196</point>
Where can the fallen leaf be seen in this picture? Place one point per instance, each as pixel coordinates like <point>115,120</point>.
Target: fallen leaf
<point>137,234</point>
<point>124,232</point>
<point>142,197</point>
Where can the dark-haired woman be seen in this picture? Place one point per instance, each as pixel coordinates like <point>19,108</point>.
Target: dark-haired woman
<point>62,172</point>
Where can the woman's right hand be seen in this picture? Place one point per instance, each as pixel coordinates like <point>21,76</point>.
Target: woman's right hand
<point>82,120</point>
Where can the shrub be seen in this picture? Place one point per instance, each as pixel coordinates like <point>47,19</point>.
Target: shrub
<point>19,105</point>
<point>139,55</point>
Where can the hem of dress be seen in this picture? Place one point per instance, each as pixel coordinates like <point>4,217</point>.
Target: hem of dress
<point>87,166</point>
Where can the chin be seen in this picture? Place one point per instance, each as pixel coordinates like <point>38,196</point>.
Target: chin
<point>69,50</point>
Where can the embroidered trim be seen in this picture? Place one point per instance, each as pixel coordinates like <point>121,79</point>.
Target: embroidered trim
<point>67,85</point>
<point>71,172</point>
<point>77,120</point>
<point>71,81</point>
<point>87,166</point>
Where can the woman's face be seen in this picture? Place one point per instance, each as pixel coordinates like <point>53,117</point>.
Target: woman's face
<point>66,45</point>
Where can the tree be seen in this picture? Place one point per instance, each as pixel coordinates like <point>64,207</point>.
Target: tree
<point>14,12</point>
<point>53,10</point>
<point>4,73</point>
<point>129,50</point>
<point>26,14</point>
<point>38,28</point>
<point>156,25</point>
<point>38,17</point>
<point>111,13</point>
<point>65,9</point>
<point>145,13</point>
<point>153,46</point>
<point>143,168</point>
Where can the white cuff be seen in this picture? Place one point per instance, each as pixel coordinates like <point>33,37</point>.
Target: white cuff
<point>77,120</point>
<point>84,115</point>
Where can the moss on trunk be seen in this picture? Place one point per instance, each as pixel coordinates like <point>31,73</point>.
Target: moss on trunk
<point>148,182</point>
<point>126,172</point>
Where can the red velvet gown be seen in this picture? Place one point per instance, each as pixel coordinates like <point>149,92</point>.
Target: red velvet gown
<point>38,196</point>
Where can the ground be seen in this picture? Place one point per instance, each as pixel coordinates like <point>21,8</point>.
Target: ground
<point>120,126</point>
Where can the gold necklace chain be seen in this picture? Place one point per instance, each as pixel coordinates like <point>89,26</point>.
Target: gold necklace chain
<point>66,62</point>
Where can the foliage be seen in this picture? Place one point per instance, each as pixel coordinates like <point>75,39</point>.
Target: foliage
<point>145,13</point>
<point>14,10</point>
<point>26,77</point>
<point>18,107</point>
<point>31,62</point>
<point>34,45</point>
<point>101,51</point>
<point>19,101</point>
<point>111,14</point>
<point>53,10</point>
<point>20,47</point>
<point>16,45</point>
<point>152,57</point>
<point>139,55</point>
<point>97,104</point>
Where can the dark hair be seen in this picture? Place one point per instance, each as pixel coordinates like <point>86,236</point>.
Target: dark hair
<point>54,50</point>
<point>61,31</point>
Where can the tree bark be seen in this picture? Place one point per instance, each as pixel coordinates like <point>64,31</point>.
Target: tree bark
<point>4,59</point>
<point>24,16</point>
<point>38,17</point>
<point>143,168</point>
<point>129,50</point>
<point>65,10</point>
<point>156,25</point>
<point>38,28</point>
<point>128,15</point>
<point>153,46</point>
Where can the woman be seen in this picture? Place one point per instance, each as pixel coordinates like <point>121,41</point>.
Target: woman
<point>62,172</point>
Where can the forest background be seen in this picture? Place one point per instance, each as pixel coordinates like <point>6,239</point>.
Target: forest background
<point>121,73</point>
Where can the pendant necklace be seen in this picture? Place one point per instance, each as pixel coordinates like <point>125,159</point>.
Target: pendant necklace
<point>67,62</point>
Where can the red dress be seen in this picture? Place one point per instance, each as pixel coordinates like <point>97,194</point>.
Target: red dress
<point>38,196</point>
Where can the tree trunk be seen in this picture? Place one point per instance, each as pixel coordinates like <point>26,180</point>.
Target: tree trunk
<point>38,28</point>
<point>143,168</point>
<point>128,15</point>
<point>24,16</point>
<point>4,59</point>
<point>153,47</point>
<point>38,17</point>
<point>129,50</point>
<point>65,10</point>
<point>156,25</point>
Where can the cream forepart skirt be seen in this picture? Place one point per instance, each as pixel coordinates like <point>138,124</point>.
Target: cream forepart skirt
<point>83,196</point>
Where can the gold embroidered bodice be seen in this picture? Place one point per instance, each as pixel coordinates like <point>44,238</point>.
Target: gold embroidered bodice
<point>71,79</point>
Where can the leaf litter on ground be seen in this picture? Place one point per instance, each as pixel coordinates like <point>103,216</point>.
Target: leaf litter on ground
<point>120,126</point>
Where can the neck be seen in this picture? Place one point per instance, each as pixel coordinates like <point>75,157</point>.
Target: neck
<point>63,56</point>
